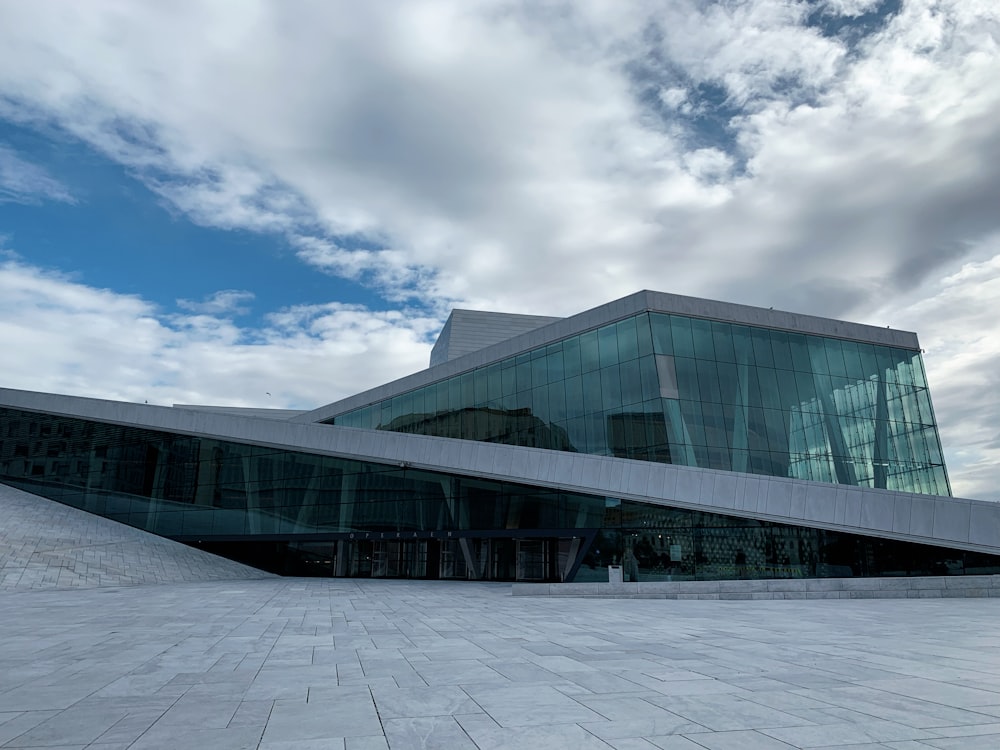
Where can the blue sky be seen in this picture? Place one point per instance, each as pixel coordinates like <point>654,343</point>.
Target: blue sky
<point>209,202</point>
<point>111,231</point>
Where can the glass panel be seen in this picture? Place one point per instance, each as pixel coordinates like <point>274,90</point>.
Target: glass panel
<point>480,386</point>
<point>608,344</point>
<point>494,390</point>
<point>557,401</point>
<point>835,358</point>
<point>611,388</point>
<point>800,352</point>
<point>571,357</point>
<point>722,337</point>
<point>687,379</point>
<point>762,347</point>
<point>628,341</point>
<point>781,350</point>
<point>522,374</point>
<point>589,355</point>
<point>554,363</point>
<point>539,370</point>
<point>853,365</point>
<point>662,343</point>
<point>701,332</point>
<point>708,381</point>
<point>642,329</point>
<point>631,383</point>
<point>576,400</point>
<point>680,334</point>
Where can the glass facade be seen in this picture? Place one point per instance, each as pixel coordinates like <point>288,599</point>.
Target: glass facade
<point>295,512</point>
<point>696,392</point>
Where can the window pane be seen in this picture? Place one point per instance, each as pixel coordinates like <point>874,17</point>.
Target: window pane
<point>571,356</point>
<point>611,387</point>
<point>628,341</point>
<point>644,335</point>
<point>781,350</point>
<point>589,355</point>
<point>662,343</point>
<point>680,333</point>
<point>608,343</point>
<point>722,337</point>
<point>701,332</point>
<point>762,348</point>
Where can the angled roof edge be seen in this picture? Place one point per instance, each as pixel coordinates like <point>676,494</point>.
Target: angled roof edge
<point>608,313</point>
<point>924,519</point>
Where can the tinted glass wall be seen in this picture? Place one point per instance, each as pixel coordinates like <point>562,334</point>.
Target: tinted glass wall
<point>180,486</point>
<point>700,393</point>
<point>296,512</point>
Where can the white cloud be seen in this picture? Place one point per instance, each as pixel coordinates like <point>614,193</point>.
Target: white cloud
<point>224,302</point>
<point>547,157</point>
<point>24,182</point>
<point>80,340</point>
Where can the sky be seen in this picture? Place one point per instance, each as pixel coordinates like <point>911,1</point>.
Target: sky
<point>277,202</point>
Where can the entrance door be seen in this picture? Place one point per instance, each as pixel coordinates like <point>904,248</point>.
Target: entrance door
<point>532,559</point>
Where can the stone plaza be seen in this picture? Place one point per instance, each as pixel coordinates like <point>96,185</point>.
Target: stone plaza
<point>190,655</point>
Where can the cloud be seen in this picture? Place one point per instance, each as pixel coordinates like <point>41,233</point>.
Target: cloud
<point>95,342</point>
<point>543,158</point>
<point>24,182</point>
<point>225,302</point>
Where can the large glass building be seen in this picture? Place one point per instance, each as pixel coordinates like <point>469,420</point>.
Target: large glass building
<point>685,439</point>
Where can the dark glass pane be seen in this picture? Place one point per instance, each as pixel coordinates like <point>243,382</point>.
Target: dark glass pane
<point>835,358</point>
<point>762,347</point>
<point>508,379</point>
<point>480,386</point>
<point>592,391</point>
<point>817,356</point>
<point>628,340</point>
<point>608,344</point>
<point>662,343</point>
<point>557,401</point>
<point>571,356</point>
<point>781,350</point>
<point>708,381</point>
<point>687,378</point>
<point>631,382</point>
<point>554,363</point>
<point>650,381</point>
<point>642,330</point>
<point>787,387</point>
<point>742,344</point>
<point>611,388</point>
<point>576,402</point>
<point>539,370</point>
<point>589,354</point>
<point>522,374</point>
<point>701,332</point>
<point>680,334</point>
<point>853,365</point>
<point>494,390</point>
<point>722,336</point>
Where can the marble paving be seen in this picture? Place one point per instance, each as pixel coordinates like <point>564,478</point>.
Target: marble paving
<point>365,664</point>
